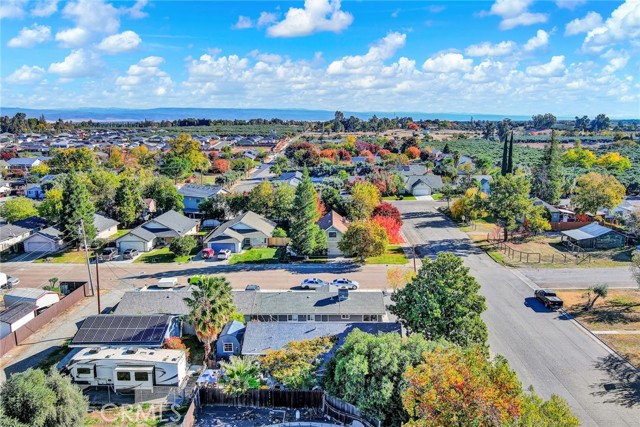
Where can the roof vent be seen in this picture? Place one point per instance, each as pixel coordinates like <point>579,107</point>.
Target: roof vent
<point>130,351</point>
<point>343,294</point>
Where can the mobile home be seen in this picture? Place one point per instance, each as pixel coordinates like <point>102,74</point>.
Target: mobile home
<point>128,369</point>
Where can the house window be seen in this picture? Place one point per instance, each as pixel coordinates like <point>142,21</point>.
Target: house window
<point>370,318</point>
<point>333,234</point>
<point>141,376</point>
<point>345,316</point>
<point>123,376</point>
<point>227,347</point>
<point>83,371</point>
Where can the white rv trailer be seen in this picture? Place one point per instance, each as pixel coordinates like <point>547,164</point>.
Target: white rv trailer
<point>167,282</point>
<point>127,369</point>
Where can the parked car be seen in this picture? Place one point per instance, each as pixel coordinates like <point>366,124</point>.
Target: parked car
<point>8,282</point>
<point>109,254</point>
<point>130,254</point>
<point>313,283</point>
<point>252,288</point>
<point>224,254</point>
<point>208,253</point>
<point>549,299</point>
<point>344,282</point>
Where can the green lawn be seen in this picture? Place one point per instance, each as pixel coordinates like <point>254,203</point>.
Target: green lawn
<point>256,256</point>
<point>164,255</point>
<point>437,196</point>
<point>120,233</point>
<point>393,255</point>
<point>65,257</point>
<point>407,197</point>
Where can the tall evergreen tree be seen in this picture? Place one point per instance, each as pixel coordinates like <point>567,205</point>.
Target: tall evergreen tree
<point>303,230</point>
<point>548,178</point>
<point>76,206</point>
<point>128,201</point>
<point>505,157</point>
<point>510,161</point>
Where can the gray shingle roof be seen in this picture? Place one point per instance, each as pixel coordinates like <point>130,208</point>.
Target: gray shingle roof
<point>251,219</point>
<point>200,191</point>
<point>176,222</point>
<point>304,302</point>
<point>142,233</point>
<point>433,181</point>
<point>102,223</point>
<point>262,336</point>
<point>17,311</point>
<point>154,302</point>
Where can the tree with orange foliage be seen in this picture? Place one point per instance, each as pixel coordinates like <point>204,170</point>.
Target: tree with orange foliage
<point>329,154</point>
<point>391,226</point>
<point>175,343</point>
<point>460,387</point>
<point>221,165</point>
<point>412,152</point>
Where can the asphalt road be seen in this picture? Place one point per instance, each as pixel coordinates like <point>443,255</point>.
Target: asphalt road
<point>547,350</point>
<point>558,278</point>
<point>260,173</point>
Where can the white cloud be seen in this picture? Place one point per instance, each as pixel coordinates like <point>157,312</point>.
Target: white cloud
<point>118,43</point>
<point>29,37</point>
<point>146,73</point>
<point>488,49</point>
<point>316,16</point>
<point>541,39</point>
<point>570,4</point>
<point>515,13</point>
<point>617,61</point>
<point>73,37</point>
<point>583,25</point>
<point>447,63</point>
<point>378,52</point>
<point>136,11</point>
<point>243,23</point>
<point>207,67</point>
<point>12,8</point>
<point>26,74</point>
<point>623,24</point>
<point>553,68</point>
<point>488,71</point>
<point>266,19</point>
<point>45,8</point>
<point>79,63</point>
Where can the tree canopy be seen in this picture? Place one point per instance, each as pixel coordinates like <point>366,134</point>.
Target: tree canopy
<point>594,191</point>
<point>18,208</point>
<point>364,239</point>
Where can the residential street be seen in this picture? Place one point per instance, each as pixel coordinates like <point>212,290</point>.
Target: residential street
<point>546,349</point>
<point>619,277</point>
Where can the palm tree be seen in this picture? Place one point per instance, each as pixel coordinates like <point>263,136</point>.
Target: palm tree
<point>211,307</point>
<point>241,375</point>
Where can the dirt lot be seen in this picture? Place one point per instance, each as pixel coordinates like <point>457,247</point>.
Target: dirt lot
<point>619,312</point>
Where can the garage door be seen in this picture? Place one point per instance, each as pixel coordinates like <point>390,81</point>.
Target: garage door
<point>422,191</point>
<point>217,247</point>
<point>139,246</point>
<point>39,246</point>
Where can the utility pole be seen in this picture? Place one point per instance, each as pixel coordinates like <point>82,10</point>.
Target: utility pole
<point>98,282</point>
<point>415,270</point>
<point>86,253</point>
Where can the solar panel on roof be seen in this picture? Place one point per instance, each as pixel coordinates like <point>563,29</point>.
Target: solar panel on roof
<point>114,329</point>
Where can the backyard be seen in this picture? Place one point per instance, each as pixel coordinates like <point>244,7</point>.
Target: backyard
<point>615,320</point>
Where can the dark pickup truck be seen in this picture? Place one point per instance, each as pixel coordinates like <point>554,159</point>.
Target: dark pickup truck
<point>549,299</point>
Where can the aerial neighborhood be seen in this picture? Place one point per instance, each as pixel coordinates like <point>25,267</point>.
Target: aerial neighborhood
<point>324,261</point>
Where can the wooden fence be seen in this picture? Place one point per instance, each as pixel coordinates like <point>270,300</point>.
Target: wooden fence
<point>278,241</point>
<point>263,398</point>
<point>526,257</point>
<point>345,412</point>
<point>19,336</point>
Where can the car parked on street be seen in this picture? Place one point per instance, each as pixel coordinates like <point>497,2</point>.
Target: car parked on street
<point>224,254</point>
<point>549,299</point>
<point>346,283</point>
<point>8,282</point>
<point>130,254</point>
<point>313,283</point>
<point>252,288</point>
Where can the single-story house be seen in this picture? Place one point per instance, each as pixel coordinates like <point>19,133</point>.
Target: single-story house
<point>46,240</point>
<point>195,194</point>
<point>11,235</point>
<point>15,316</point>
<point>259,337</point>
<point>334,225</point>
<point>23,163</point>
<point>158,231</point>
<point>230,339</point>
<point>39,297</point>
<point>624,210</point>
<point>323,305</point>
<point>411,169</point>
<point>247,229</point>
<point>34,191</point>
<point>289,178</point>
<point>594,236</point>
<point>423,185</point>
<point>157,302</point>
<point>555,213</point>
<point>105,226</point>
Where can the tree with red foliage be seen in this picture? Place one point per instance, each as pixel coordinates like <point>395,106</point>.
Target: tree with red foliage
<point>391,226</point>
<point>221,165</point>
<point>412,126</point>
<point>384,154</point>
<point>412,152</point>
<point>344,155</point>
<point>213,155</point>
<point>368,155</point>
<point>386,209</point>
<point>303,154</point>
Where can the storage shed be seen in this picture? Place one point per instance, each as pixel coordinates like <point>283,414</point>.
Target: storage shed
<point>15,316</point>
<point>39,297</point>
<point>228,343</point>
<point>594,236</point>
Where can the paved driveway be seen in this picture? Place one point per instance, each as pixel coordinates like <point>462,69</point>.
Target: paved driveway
<point>546,349</point>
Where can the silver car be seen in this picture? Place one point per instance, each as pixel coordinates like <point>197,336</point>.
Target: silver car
<point>346,283</point>
<point>313,283</point>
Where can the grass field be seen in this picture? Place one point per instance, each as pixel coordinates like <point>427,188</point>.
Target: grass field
<point>396,198</point>
<point>256,256</point>
<point>65,257</point>
<point>393,255</point>
<point>620,311</point>
<point>164,255</point>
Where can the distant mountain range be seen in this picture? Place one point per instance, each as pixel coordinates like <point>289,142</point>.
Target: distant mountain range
<point>157,114</point>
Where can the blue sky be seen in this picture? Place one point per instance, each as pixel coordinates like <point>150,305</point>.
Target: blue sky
<point>567,57</point>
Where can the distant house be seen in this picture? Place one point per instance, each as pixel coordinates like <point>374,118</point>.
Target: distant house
<point>228,342</point>
<point>195,194</point>
<point>11,235</point>
<point>245,230</point>
<point>158,231</point>
<point>36,296</point>
<point>15,316</point>
<point>51,239</point>
<point>149,210</point>
<point>411,169</point>
<point>594,236</point>
<point>334,226</point>
<point>423,185</point>
<point>289,178</point>
<point>259,337</point>
<point>23,163</point>
<point>105,226</point>
<point>624,210</point>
